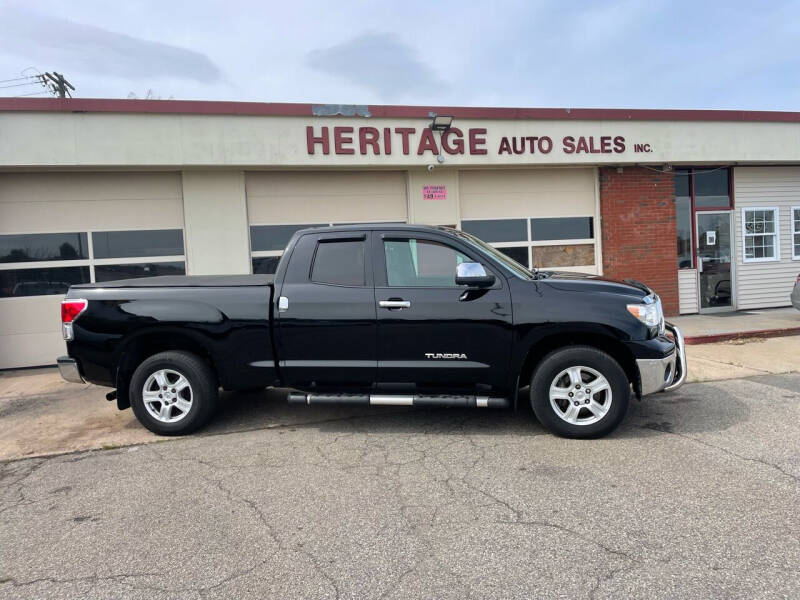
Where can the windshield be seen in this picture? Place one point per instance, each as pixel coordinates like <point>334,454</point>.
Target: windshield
<point>512,265</point>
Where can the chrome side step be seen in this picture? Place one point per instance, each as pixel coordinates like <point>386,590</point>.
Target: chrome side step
<point>400,400</point>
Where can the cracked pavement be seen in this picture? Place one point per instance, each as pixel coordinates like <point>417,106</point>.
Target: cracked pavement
<point>697,495</point>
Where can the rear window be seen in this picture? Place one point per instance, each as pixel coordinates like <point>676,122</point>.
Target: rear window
<point>339,263</point>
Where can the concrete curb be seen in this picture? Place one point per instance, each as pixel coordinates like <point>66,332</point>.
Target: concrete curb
<point>740,335</point>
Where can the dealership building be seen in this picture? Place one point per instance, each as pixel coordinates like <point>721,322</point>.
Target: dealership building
<point>703,206</point>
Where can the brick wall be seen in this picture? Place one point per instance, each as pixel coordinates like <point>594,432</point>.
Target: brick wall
<point>639,235</point>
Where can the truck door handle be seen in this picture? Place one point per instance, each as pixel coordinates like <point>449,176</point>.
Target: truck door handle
<point>394,303</point>
<point>283,304</point>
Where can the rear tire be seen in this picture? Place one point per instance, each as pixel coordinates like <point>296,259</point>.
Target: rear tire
<point>579,392</point>
<point>173,393</point>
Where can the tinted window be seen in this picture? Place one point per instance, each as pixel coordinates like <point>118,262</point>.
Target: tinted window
<point>683,217</point>
<point>114,272</point>
<point>43,246</point>
<point>41,282</point>
<point>566,228</point>
<point>266,265</point>
<point>518,254</point>
<point>421,263</point>
<point>130,244</point>
<point>499,230</point>
<point>682,182</point>
<point>274,237</point>
<point>339,263</point>
<point>711,188</point>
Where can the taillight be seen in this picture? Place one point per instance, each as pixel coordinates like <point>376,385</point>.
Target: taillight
<point>798,278</point>
<point>71,310</point>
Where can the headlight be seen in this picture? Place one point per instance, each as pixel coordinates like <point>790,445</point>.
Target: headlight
<point>649,312</point>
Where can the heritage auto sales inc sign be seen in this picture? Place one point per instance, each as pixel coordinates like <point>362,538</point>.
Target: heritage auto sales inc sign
<point>386,141</point>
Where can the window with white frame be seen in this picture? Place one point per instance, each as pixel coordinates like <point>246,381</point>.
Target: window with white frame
<point>544,242</point>
<point>760,234</point>
<point>40,264</point>
<point>267,242</point>
<point>796,232</point>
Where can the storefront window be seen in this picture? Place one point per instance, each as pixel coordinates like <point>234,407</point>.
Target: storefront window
<point>711,188</point>
<point>539,241</point>
<point>40,282</point>
<point>562,228</point>
<point>697,189</point>
<point>130,244</point>
<point>37,247</point>
<point>497,230</point>
<point>519,254</point>
<point>683,218</point>
<point>134,271</point>
<point>46,264</point>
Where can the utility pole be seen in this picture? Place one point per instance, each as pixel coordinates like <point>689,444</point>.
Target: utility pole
<point>57,84</point>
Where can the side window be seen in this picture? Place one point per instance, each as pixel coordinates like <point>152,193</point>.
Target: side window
<point>339,263</point>
<point>421,263</point>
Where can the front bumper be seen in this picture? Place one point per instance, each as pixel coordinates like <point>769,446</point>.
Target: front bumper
<point>664,374</point>
<point>68,367</point>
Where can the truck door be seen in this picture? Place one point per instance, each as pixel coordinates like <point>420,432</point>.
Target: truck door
<point>326,313</point>
<point>432,334</point>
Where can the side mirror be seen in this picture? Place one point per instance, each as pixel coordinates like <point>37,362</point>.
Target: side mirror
<point>473,275</point>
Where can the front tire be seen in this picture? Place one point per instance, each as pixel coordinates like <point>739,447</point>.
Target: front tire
<point>173,393</point>
<point>580,392</point>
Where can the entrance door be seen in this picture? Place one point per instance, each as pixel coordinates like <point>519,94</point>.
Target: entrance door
<point>714,258</point>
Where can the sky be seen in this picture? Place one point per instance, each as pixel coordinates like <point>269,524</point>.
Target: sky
<point>617,54</point>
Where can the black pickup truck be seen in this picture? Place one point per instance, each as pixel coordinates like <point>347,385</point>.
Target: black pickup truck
<point>380,315</point>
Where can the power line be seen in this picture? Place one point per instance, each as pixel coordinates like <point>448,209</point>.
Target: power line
<point>18,84</point>
<point>33,94</point>
<point>54,83</point>
<point>18,78</point>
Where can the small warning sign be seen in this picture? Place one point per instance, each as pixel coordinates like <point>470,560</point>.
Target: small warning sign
<point>434,192</point>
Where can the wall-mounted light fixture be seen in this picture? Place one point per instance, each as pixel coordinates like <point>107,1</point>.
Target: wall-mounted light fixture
<point>441,122</point>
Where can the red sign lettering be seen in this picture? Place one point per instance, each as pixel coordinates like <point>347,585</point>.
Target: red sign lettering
<point>340,139</point>
<point>374,142</point>
<point>312,141</point>
<point>476,143</point>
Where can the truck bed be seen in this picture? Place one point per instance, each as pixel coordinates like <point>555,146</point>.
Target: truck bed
<point>184,281</point>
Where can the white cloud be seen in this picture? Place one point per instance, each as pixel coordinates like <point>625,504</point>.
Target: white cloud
<point>379,62</point>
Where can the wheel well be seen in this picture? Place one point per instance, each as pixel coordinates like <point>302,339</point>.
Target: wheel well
<point>607,344</point>
<point>146,346</point>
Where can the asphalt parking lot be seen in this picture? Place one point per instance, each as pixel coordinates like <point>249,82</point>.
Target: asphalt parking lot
<point>695,496</point>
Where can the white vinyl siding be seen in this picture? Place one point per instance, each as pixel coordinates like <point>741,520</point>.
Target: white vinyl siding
<point>687,291</point>
<point>765,284</point>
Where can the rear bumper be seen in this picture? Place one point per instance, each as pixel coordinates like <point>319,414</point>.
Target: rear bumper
<point>68,368</point>
<point>664,374</point>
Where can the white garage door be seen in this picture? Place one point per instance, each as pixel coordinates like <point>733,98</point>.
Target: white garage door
<point>545,218</point>
<point>280,203</point>
<point>57,229</point>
